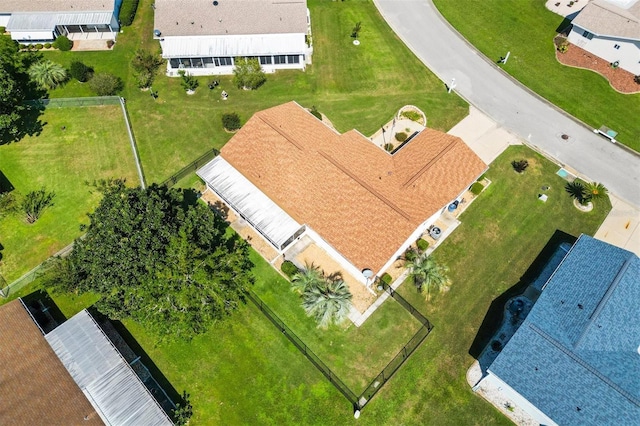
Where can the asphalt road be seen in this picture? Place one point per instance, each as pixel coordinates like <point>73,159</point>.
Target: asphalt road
<point>481,83</point>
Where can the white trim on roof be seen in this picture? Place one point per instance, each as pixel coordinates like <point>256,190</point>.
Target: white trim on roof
<point>112,387</point>
<point>252,204</point>
<point>49,20</point>
<point>233,45</point>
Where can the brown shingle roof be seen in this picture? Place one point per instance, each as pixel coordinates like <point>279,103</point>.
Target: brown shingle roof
<point>35,386</point>
<point>230,17</point>
<point>361,200</point>
<point>606,19</point>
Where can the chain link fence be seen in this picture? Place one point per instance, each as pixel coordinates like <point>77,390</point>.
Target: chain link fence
<point>74,102</point>
<point>191,167</point>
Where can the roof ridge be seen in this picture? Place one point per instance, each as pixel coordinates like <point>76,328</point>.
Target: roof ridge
<point>427,166</point>
<point>280,131</point>
<point>584,364</point>
<point>617,10</point>
<point>365,185</point>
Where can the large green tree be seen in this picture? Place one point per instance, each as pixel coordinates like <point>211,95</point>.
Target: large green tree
<point>160,257</point>
<point>427,273</point>
<point>47,74</point>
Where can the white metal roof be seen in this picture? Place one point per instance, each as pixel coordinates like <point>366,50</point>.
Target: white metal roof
<point>48,21</point>
<point>13,6</point>
<point>109,383</point>
<point>233,45</point>
<point>252,204</point>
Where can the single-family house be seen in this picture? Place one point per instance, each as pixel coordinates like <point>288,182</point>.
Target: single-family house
<point>575,360</point>
<point>288,174</point>
<point>611,31</point>
<point>203,37</point>
<point>41,21</point>
<point>72,375</point>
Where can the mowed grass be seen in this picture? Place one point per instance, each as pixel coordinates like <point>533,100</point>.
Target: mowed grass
<point>93,145</point>
<point>526,28</point>
<point>358,87</point>
<point>355,354</point>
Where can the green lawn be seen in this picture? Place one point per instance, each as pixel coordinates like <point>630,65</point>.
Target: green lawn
<point>355,354</point>
<point>526,28</point>
<point>355,86</point>
<point>94,145</point>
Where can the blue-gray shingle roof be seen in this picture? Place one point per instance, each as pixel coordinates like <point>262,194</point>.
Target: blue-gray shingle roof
<point>576,357</point>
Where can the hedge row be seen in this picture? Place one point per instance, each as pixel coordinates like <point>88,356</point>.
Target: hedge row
<point>128,12</point>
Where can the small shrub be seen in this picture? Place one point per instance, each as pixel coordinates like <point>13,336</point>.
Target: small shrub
<point>23,46</point>
<point>189,82</point>
<point>356,30</point>
<point>128,12</point>
<point>412,115</point>
<point>231,121</point>
<point>39,46</point>
<point>63,43</point>
<point>422,244</point>
<point>562,44</point>
<point>35,202</point>
<point>79,71</point>
<point>401,136</point>
<point>105,84</point>
<point>388,147</point>
<point>248,74</point>
<point>289,269</point>
<point>636,79</point>
<point>386,278</point>
<point>520,166</point>
<point>110,43</point>
<point>314,111</point>
<point>47,45</point>
<point>481,178</point>
<point>410,255</point>
<point>8,203</point>
<point>476,188</point>
<point>3,30</point>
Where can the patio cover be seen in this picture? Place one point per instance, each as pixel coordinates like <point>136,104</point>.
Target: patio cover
<point>109,383</point>
<point>233,45</point>
<point>251,203</point>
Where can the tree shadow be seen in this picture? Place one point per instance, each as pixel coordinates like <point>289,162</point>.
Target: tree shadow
<point>494,316</point>
<point>44,310</point>
<point>29,124</point>
<point>5,184</point>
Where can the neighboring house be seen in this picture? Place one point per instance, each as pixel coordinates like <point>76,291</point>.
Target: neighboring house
<point>73,375</point>
<point>575,360</point>
<point>203,37</point>
<point>41,21</point>
<point>288,174</point>
<point>610,32</point>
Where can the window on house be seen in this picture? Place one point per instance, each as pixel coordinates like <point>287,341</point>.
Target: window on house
<point>280,59</point>
<point>587,34</point>
<point>616,46</point>
<point>265,60</point>
<point>293,59</point>
<point>223,61</point>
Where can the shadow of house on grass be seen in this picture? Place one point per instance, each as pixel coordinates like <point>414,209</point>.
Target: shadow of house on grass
<point>495,314</point>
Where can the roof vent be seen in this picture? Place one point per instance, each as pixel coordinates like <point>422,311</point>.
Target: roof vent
<point>215,2</point>
<point>157,33</point>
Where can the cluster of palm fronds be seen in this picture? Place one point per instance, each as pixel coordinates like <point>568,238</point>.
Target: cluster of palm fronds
<point>584,193</point>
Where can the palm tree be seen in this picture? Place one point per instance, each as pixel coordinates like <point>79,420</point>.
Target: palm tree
<point>426,272</point>
<point>308,277</point>
<point>47,74</point>
<point>595,191</point>
<point>328,301</point>
<point>577,190</point>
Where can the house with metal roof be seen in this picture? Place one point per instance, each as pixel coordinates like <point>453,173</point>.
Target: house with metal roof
<point>575,360</point>
<point>203,37</point>
<point>71,375</point>
<point>41,21</point>
<point>611,31</point>
<point>288,174</point>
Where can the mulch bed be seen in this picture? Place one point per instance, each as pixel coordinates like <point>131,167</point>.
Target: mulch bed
<point>619,79</point>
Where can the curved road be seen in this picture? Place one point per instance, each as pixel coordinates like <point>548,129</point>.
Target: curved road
<point>419,24</point>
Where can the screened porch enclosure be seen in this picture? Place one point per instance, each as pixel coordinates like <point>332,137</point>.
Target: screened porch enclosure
<point>251,204</point>
<point>224,61</point>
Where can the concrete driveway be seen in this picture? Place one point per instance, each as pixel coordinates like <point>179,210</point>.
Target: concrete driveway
<point>508,103</point>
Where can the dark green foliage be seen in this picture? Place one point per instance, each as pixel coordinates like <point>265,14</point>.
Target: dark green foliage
<point>388,147</point>
<point>127,12</point>
<point>39,46</point>
<point>476,188</point>
<point>47,45</point>
<point>401,136</point>
<point>248,73</point>
<point>8,203</point>
<point>63,43</point>
<point>160,257</point>
<point>422,244</point>
<point>386,278</point>
<point>105,84</point>
<point>481,178</point>
<point>410,254</point>
<point>79,71</point>
<point>577,190</point>
<point>356,30</point>
<point>13,85</point>
<point>289,269</point>
<point>314,111</point>
<point>35,202</point>
<point>636,79</point>
<point>520,165</point>
<point>145,64</point>
<point>231,121</point>
<point>2,30</point>
<point>189,82</point>
<point>183,411</point>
